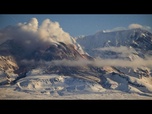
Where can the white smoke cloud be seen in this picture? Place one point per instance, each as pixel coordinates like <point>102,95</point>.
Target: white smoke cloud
<point>31,35</point>
<point>51,32</point>
<point>134,26</point>
<point>31,26</point>
<point>31,32</point>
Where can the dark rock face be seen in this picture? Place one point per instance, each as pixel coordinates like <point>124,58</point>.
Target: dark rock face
<point>56,52</point>
<point>25,61</point>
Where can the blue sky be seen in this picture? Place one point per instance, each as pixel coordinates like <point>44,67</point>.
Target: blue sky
<point>81,24</point>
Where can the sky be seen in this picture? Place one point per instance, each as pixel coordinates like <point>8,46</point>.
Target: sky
<point>81,24</point>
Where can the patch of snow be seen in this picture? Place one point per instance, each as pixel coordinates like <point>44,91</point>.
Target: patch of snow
<point>37,71</point>
<point>66,87</point>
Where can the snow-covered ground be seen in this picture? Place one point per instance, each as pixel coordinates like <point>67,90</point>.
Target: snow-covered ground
<point>64,87</point>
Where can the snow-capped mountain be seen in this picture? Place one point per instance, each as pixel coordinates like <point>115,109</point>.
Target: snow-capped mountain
<point>126,44</point>
<point>135,38</point>
<point>26,68</point>
<point>134,45</point>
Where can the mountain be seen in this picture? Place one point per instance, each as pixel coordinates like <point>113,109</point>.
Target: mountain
<point>126,44</point>
<point>18,61</point>
<point>135,38</point>
<point>127,47</point>
<point>81,61</point>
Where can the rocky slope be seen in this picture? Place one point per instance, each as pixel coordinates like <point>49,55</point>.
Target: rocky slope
<point>17,60</point>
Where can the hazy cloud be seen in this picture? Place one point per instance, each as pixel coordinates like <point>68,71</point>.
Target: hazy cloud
<point>123,63</point>
<point>115,29</point>
<point>99,62</point>
<point>131,26</point>
<point>123,50</point>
